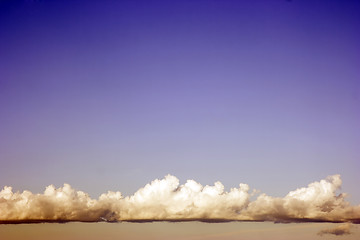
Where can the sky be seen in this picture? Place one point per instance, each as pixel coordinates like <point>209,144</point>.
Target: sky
<point>110,95</point>
<point>177,231</point>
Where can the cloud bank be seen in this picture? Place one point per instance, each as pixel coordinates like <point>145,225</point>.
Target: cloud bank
<point>167,200</point>
<point>342,229</point>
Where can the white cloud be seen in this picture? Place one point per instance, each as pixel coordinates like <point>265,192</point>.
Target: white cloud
<point>167,200</point>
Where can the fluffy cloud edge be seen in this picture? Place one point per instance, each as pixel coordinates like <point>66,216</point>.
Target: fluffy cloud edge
<point>166,200</point>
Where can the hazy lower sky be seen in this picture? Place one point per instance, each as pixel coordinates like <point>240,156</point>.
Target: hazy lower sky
<point>109,95</point>
<point>177,231</point>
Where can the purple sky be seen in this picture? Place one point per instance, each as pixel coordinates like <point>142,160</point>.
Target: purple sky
<point>110,95</point>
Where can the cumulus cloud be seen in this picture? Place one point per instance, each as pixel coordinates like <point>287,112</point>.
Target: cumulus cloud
<point>168,200</point>
<point>342,229</point>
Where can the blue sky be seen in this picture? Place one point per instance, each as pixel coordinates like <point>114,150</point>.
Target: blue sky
<point>111,95</point>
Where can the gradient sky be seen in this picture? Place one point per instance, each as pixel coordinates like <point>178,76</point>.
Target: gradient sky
<point>109,95</point>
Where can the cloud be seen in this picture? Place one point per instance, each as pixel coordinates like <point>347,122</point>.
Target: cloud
<point>168,200</point>
<point>342,229</point>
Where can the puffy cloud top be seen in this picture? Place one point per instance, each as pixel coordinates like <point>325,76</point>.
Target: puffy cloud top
<point>167,200</point>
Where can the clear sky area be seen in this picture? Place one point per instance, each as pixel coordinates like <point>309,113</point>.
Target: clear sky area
<point>110,95</point>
